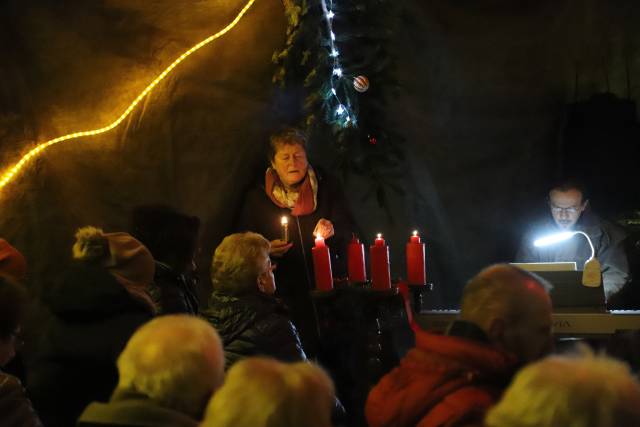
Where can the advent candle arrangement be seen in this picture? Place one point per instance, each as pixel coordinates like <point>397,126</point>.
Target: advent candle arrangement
<point>322,265</point>
<point>285,228</point>
<point>355,258</point>
<point>379,258</point>
<point>416,274</point>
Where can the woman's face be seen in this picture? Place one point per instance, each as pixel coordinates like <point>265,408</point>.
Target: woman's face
<point>266,281</point>
<point>290,162</point>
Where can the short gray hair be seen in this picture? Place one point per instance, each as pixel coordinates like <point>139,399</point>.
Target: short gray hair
<point>177,361</point>
<point>581,390</point>
<point>236,262</point>
<point>262,392</point>
<point>497,290</point>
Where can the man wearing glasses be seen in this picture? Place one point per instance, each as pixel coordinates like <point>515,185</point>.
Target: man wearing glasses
<point>569,209</point>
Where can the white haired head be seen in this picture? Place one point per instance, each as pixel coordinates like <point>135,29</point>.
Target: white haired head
<point>580,390</point>
<point>176,361</point>
<point>262,392</point>
<point>513,308</point>
<point>238,261</point>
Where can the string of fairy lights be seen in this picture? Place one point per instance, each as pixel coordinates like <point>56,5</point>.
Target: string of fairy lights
<point>12,172</point>
<point>342,111</point>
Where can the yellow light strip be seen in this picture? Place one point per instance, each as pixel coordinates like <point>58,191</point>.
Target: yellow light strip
<point>34,152</point>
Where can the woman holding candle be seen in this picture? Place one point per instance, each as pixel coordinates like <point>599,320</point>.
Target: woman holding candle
<point>315,206</point>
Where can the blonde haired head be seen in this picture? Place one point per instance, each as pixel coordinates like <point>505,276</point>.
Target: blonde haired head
<point>176,361</point>
<point>238,261</point>
<point>580,390</point>
<point>261,392</point>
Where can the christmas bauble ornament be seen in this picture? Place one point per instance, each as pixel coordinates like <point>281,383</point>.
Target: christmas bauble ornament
<point>361,84</point>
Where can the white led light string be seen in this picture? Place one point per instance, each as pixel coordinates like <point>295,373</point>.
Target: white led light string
<point>342,111</point>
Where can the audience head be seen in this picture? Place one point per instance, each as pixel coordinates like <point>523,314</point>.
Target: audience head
<point>128,260</point>
<point>580,390</point>
<point>12,262</point>
<point>260,392</point>
<point>171,236</point>
<point>513,308</point>
<point>13,301</point>
<point>241,265</point>
<point>567,202</point>
<point>176,361</point>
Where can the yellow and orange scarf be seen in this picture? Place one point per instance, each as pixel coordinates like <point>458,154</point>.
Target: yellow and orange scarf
<point>302,201</point>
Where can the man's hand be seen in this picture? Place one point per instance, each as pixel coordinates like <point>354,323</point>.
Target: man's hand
<point>279,247</point>
<point>323,229</point>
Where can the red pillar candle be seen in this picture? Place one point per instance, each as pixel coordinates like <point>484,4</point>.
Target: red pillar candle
<point>416,274</point>
<point>322,265</point>
<point>355,256</point>
<point>379,257</point>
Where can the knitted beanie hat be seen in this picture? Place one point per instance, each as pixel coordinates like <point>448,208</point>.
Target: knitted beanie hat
<point>12,263</point>
<point>128,260</point>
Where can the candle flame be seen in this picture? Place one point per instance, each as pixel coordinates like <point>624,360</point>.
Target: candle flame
<point>379,235</point>
<point>284,220</point>
<point>415,232</point>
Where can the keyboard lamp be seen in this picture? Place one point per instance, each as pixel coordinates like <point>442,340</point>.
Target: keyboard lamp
<point>591,273</point>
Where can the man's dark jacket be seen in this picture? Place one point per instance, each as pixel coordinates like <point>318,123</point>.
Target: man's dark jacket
<point>253,325</point>
<point>173,292</point>
<point>133,411</point>
<point>75,361</point>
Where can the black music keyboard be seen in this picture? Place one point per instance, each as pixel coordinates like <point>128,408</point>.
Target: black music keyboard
<point>565,324</point>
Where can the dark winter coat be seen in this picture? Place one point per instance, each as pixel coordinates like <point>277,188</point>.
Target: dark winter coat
<point>93,317</point>
<point>173,292</point>
<point>133,411</point>
<point>607,239</point>
<point>294,275</point>
<point>15,407</point>
<point>253,325</point>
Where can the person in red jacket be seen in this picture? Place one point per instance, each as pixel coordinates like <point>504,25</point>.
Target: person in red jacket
<point>453,379</point>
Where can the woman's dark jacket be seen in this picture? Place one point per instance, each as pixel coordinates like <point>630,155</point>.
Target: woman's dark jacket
<point>93,317</point>
<point>253,325</point>
<point>294,274</point>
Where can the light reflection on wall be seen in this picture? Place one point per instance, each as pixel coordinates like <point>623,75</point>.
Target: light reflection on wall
<point>11,173</point>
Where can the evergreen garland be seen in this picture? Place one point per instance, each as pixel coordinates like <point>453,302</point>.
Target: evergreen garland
<point>364,142</point>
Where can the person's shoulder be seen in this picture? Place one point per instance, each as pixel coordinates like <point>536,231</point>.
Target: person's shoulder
<point>594,224</point>
<point>10,385</point>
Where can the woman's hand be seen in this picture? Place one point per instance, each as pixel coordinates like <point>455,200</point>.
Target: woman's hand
<point>323,229</point>
<point>279,247</point>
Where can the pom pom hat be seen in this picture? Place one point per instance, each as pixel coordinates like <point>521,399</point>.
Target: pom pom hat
<point>126,258</point>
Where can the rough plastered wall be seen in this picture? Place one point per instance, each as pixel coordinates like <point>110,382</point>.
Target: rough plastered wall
<point>483,85</point>
<point>75,65</point>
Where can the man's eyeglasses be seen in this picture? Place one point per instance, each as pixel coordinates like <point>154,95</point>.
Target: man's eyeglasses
<point>570,210</point>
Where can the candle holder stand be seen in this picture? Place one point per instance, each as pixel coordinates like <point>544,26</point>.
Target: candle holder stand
<point>363,334</point>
